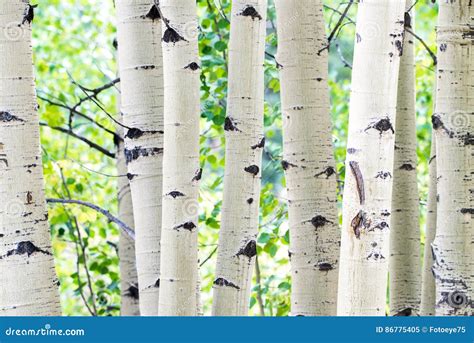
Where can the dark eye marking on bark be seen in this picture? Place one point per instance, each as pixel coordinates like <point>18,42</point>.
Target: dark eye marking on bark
<point>375,256</point>
<point>404,313</point>
<point>358,38</point>
<point>26,248</point>
<point>383,125</point>
<point>385,213</point>
<point>198,175</point>
<point>132,292</point>
<point>249,250</point>
<point>250,201</point>
<point>351,151</point>
<point>467,139</point>
<point>253,169</point>
<point>175,194</point>
<point>8,117</point>
<point>359,180</point>
<point>135,133</point>
<point>319,221</point>
<point>407,167</point>
<point>224,283</point>
<point>172,36</point>
<point>260,145</point>
<point>467,211</point>
<point>29,14</point>
<point>407,20</point>
<point>383,175</point>
<point>153,13</point>
<point>438,124</point>
<point>359,222</point>
<point>229,125</point>
<point>250,11</point>
<point>193,66</point>
<point>399,46</point>
<point>286,165</point>
<point>443,47</point>
<point>135,153</point>
<point>325,267</point>
<point>190,226</point>
<point>146,67</point>
<point>157,284</point>
<point>381,226</point>
<point>329,171</point>
<point>130,176</point>
<point>298,108</point>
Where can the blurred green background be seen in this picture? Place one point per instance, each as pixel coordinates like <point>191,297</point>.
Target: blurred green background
<point>74,51</point>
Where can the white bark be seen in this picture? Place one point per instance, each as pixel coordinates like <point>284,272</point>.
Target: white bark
<point>454,125</point>
<point>181,172</point>
<point>309,164</point>
<point>369,165</point>
<point>244,145</point>
<point>140,60</point>
<point>128,269</point>
<point>404,261</point>
<point>428,289</point>
<point>29,286</point>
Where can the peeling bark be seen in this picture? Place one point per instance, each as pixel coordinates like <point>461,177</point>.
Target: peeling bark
<point>140,63</point>
<point>453,246</point>
<point>311,187</point>
<point>363,271</point>
<point>29,286</point>
<point>244,129</point>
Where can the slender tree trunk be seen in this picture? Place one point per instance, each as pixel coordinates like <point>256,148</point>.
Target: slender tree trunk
<point>454,125</point>
<point>404,261</point>
<point>309,163</point>
<point>128,270</point>
<point>428,294</point>
<point>244,145</point>
<point>140,60</point>
<point>369,165</point>
<point>181,172</point>
<point>29,286</point>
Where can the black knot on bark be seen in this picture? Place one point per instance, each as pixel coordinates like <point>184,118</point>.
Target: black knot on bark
<point>8,117</point>
<point>198,175</point>
<point>404,313</point>
<point>250,11</point>
<point>253,169</point>
<point>153,13</point>
<point>29,14</point>
<point>319,221</point>
<point>175,194</point>
<point>384,125</point>
<point>130,176</point>
<point>260,145</point>
<point>171,36</point>
<point>26,248</point>
<point>224,283</point>
<point>360,221</point>
<point>329,171</point>
<point>286,165</point>
<point>325,267</point>
<point>436,121</point>
<point>229,125</point>
<point>132,292</point>
<point>157,284</point>
<point>250,201</point>
<point>134,133</point>
<point>193,66</point>
<point>407,167</point>
<point>249,250</point>
<point>190,226</point>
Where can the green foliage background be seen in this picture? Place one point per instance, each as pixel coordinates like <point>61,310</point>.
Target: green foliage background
<point>73,45</point>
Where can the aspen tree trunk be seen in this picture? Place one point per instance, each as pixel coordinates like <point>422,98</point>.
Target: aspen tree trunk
<point>309,163</point>
<point>128,270</point>
<point>181,172</point>
<point>29,286</point>
<point>404,261</point>
<point>244,145</point>
<point>369,164</point>
<point>140,60</point>
<point>453,122</point>
<point>428,290</point>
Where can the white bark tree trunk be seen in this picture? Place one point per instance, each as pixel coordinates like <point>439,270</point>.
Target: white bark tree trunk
<point>404,261</point>
<point>29,286</point>
<point>128,269</point>
<point>244,146</point>
<point>141,72</point>
<point>309,164</point>
<point>369,164</point>
<point>428,290</point>
<point>181,171</point>
<point>454,125</point>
